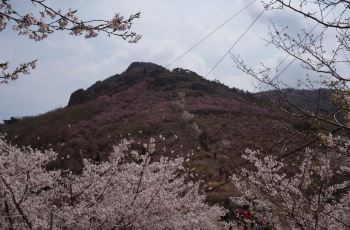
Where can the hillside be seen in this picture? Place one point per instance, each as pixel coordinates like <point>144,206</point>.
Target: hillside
<point>319,100</point>
<point>193,114</point>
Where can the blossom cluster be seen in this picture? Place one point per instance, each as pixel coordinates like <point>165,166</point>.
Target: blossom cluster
<point>129,191</point>
<point>24,68</point>
<point>313,195</point>
<point>38,23</point>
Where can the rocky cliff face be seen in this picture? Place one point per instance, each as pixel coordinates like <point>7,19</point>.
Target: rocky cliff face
<point>136,72</point>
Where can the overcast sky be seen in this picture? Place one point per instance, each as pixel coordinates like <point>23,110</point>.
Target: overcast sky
<point>168,28</point>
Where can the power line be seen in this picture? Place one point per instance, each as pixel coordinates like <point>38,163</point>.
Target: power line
<point>236,42</point>
<point>211,33</point>
<point>208,26</point>
<point>218,13</point>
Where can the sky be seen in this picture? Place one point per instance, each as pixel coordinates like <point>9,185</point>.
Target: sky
<point>168,28</point>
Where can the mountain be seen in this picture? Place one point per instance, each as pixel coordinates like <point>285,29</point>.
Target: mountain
<point>314,101</point>
<point>194,114</point>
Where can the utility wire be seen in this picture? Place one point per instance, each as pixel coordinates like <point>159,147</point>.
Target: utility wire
<point>207,26</point>
<point>236,42</point>
<point>211,33</point>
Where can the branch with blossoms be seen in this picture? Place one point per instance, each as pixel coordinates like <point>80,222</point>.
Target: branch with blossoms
<point>46,20</point>
<point>310,193</point>
<point>11,76</point>
<point>50,20</point>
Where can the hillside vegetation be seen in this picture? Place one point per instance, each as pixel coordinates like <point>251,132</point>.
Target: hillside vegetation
<point>193,115</point>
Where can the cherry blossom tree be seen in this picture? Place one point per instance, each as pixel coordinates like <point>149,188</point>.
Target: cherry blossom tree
<point>311,193</point>
<point>41,20</point>
<point>129,191</point>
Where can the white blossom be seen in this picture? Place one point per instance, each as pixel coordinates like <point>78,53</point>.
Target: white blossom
<point>119,193</point>
<point>314,195</point>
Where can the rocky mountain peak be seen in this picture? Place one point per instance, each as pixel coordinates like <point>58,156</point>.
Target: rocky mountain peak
<point>145,67</point>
